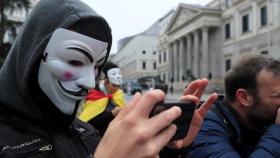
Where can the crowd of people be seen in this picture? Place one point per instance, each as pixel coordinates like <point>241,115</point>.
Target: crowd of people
<point>53,102</point>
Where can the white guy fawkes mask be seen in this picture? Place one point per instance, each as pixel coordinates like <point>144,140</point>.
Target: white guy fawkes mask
<point>114,76</point>
<point>68,70</point>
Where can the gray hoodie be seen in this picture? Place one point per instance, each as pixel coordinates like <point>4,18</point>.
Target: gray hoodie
<point>22,104</point>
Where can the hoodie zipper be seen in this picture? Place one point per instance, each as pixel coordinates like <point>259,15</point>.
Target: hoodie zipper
<point>46,148</point>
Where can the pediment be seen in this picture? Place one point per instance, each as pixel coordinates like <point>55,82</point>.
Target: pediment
<point>181,16</point>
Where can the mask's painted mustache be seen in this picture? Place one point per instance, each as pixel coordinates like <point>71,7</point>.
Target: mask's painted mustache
<point>80,92</point>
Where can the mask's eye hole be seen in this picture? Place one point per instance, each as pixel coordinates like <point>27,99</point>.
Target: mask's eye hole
<point>75,63</point>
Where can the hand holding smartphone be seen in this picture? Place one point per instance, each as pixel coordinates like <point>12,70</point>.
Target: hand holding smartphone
<point>184,121</point>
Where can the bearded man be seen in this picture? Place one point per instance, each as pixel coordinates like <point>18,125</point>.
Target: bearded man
<point>244,123</point>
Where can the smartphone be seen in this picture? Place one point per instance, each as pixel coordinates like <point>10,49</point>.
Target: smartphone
<point>184,121</point>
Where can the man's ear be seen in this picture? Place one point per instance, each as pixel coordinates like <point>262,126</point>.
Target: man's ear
<point>243,97</point>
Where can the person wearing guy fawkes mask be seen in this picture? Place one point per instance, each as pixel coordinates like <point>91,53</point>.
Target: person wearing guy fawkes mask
<point>47,73</point>
<point>104,102</point>
<point>50,67</point>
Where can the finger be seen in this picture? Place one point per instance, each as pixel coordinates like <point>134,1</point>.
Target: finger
<point>163,119</point>
<point>178,144</point>
<point>201,88</point>
<point>165,136</point>
<point>277,120</point>
<point>130,105</point>
<point>207,104</point>
<point>134,100</point>
<point>192,87</point>
<point>192,98</point>
<point>147,101</point>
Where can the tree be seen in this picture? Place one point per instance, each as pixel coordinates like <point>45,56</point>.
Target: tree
<point>8,7</point>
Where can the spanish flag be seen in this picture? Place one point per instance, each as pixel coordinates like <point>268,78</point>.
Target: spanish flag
<point>96,102</point>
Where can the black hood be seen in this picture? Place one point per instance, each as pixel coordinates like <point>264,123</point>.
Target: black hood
<point>19,90</point>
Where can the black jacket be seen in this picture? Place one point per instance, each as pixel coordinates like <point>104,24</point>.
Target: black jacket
<point>21,139</point>
<point>30,125</point>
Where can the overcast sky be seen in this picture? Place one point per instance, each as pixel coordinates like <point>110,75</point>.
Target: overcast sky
<point>130,17</point>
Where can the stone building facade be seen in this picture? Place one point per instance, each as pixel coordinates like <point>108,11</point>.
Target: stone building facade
<point>192,41</point>
<point>205,41</point>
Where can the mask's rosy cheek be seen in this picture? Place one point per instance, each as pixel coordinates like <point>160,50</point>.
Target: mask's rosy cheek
<point>68,75</point>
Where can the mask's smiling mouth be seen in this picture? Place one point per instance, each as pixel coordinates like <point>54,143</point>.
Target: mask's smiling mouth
<point>80,92</point>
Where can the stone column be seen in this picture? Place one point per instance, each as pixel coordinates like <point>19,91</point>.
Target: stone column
<point>175,61</point>
<point>205,53</point>
<point>181,60</point>
<point>171,61</point>
<point>254,22</point>
<point>189,52</point>
<point>196,54</point>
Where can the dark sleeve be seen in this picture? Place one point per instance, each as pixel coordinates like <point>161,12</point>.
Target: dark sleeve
<point>88,135</point>
<point>101,122</point>
<point>269,144</point>
<point>213,140</point>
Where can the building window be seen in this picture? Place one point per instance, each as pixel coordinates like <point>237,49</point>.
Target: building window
<point>143,52</point>
<point>159,58</point>
<point>263,16</point>
<point>144,65</point>
<point>164,77</point>
<point>226,3</point>
<point>227,31</point>
<point>164,57</point>
<point>155,65</point>
<point>264,52</point>
<point>154,52</point>
<point>245,23</point>
<point>228,64</point>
